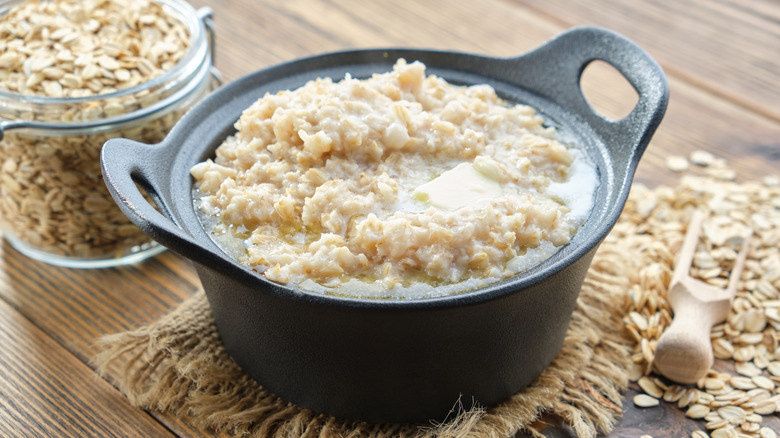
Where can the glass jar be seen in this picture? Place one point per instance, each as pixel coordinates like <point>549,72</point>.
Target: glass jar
<point>54,205</point>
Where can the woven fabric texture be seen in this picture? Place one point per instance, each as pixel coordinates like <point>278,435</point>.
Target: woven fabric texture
<point>177,364</point>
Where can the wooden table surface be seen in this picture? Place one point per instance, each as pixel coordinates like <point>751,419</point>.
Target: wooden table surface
<point>723,62</point>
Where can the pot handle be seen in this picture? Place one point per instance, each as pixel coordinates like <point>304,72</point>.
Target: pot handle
<point>124,164</point>
<point>554,71</point>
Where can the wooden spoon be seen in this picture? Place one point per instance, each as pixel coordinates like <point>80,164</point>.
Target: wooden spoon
<point>684,351</point>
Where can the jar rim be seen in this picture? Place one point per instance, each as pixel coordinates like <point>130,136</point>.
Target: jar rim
<point>188,63</point>
<point>200,77</point>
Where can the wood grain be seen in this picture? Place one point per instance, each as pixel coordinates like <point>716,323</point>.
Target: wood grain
<point>75,307</point>
<point>45,391</point>
<point>730,48</point>
<point>696,118</point>
<point>724,72</point>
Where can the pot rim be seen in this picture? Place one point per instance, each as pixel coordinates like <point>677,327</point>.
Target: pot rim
<point>640,125</point>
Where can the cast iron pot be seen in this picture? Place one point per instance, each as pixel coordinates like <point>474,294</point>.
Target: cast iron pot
<point>385,360</point>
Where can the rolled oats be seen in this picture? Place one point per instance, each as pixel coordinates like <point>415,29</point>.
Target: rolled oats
<point>751,338</point>
<point>747,406</point>
<point>702,158</point>
<point>677,163</point>
<point>759,394</point>
<point>722,348</point>
<point>720,423</point>
<point>698,411</point>
<point>736,396</point>
<point>691,396</point>
<point>740,382</point>
<point>83,48</point>
<point>744,353</point>
<point>764,382</point>
<point>725,432</point>
<point>714,384</point>
<point>765,407</point>
<point>638,320</point>
<point>635,371</point>
<point>674,393</point>
<point>730,404</point>
<point>645,401</point>
<point>733,414</point>
<point>706,397</point>
<point>650,387</point>
<point>748,369</point>
<point>54,198</point>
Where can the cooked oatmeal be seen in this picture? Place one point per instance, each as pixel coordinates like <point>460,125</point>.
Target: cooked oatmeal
<point>399,185</point>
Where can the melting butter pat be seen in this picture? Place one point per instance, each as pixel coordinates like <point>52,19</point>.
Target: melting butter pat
<point>458,187</point>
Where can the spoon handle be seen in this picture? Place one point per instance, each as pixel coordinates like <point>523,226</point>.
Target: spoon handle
<point>688,249</point>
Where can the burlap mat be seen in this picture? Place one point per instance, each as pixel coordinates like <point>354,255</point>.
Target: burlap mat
<point>178,364</point>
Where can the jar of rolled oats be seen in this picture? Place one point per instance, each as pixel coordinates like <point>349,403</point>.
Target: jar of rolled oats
<point>74,73</point>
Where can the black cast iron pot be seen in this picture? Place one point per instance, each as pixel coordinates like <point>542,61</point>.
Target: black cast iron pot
<point>384,360</point>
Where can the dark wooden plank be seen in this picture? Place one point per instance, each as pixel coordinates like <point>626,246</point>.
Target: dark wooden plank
<point>46,391</point>
<point>253,35</point>
<point>75,307</point>
<point>731,48</point>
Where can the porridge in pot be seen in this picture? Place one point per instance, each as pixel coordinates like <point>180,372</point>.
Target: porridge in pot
<point>396,186</point>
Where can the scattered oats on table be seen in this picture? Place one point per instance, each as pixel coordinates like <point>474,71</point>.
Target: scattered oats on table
<point>645,401</point>
<point>677,163</point>
<point>654,221</point>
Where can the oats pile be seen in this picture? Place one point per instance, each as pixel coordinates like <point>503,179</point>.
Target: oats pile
<point>78,48</point>
<point>729,403</point>
<point>53,195</point>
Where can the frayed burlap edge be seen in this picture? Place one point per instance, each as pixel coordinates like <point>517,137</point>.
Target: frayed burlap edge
<point>178,364</point>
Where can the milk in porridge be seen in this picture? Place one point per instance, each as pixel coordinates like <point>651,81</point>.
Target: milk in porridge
<point>396,186</point>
